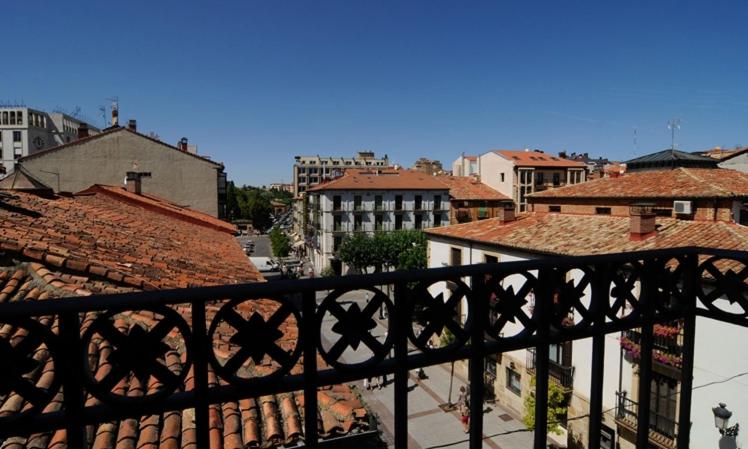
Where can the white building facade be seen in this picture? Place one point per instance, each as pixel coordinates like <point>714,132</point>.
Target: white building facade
<point>309,171</point>
<point>25,131</point>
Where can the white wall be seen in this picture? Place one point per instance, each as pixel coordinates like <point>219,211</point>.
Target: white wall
<point>491,166</point>
<point>739,163</point>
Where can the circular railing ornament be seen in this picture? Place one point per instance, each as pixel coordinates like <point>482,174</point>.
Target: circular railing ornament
<point>439,316</point>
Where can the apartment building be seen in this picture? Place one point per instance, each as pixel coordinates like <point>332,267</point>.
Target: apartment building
<point>613,215</point>
<point>308,171</point>
<point>369,201</point>
<point>465,166</point>
<point>25,131</point>
<point>517,174</point>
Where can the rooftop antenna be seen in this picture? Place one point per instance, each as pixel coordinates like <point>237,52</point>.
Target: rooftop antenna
<point>636,141</point>
<point>673,125</point>
<point>115,110</point>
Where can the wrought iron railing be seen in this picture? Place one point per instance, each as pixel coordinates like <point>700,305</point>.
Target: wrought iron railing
<point>276,337</point>
<point>663,427</point>
<point>563,375</point>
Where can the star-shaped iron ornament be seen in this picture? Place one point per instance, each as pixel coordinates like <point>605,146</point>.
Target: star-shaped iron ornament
<point>510,304</point>
<point>18,361</point>
<point>142,353</point>
<point>353,325</point>
<point>733,284</point>
<point>256,335</point>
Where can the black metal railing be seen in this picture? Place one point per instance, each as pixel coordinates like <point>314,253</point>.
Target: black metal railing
<point>276,337</point>
<point>563,375</point>
<point>662,427</point>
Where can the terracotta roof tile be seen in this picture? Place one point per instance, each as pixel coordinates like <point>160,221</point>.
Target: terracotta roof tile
<point>381,179</point>
<point>675,183</point>
<point>537,159</point>
<point>577,235</point>
<point>468,188</point>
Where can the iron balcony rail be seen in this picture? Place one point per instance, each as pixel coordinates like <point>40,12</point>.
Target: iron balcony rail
<point>663,427</point>
<point>564,375</point>
<point>632,290</point>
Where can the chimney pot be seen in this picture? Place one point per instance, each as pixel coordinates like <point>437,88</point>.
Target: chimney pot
<point>133,181</point>
<point>132,125</point>
<point>642,221</point>
<point>82,130</point>
<point>183,144</point>
<point>506,213</point>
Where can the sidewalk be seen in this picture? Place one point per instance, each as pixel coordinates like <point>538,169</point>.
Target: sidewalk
<point>429,427</point>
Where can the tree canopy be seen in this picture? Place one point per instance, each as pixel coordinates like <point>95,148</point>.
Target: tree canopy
<point>253,203</point>
<point>556,407</point>
<point>279,242</point>
<point>401,250</point>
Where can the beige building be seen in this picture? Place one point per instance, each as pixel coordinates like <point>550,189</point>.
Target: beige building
<point>308,171</point>
<point>517,174</point>
<point>170,172</point>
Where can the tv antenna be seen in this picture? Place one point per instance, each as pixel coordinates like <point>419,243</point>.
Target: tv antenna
<point>673,125</point>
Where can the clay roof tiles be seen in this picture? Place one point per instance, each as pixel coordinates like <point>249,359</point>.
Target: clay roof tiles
<point>537,159</point>
<point>468,188</point>
<point>382,179</point>
<point>675,183</point>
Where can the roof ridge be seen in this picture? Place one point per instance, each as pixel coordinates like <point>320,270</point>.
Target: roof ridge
<point>694,176</point>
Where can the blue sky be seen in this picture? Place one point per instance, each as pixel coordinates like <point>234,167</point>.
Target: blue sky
<point>255,83</point>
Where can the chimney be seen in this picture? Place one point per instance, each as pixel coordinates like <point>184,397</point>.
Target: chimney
<point>115,116</point>
<point>642,221</point>
<point>506,213</point>
<point>132,125</point>
<point>183,144</point>
<point>82,130</point>
<point>133,181</point>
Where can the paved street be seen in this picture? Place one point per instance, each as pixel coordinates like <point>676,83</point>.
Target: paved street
<point>262,244</point>
<point>428,426</point>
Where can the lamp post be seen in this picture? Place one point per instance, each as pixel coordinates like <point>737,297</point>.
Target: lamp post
<point>722,420</point>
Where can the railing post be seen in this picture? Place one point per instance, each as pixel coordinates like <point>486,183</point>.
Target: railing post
<point>543,305</point>
<point>646,303</point>
<point>200,374</point>
<point>401,323</point>
<point>310,335</point>
<point>71,381</point>
<point>479,311</point>
<point>599,304</point>
<point>689,334</point>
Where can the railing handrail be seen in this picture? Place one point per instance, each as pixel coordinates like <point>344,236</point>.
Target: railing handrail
<point>284,287</point>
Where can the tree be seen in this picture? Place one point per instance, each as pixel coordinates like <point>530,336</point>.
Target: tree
<point>280,243</point>
<point>556,407</point>
<point>361,252</point>
<point>401,250</point>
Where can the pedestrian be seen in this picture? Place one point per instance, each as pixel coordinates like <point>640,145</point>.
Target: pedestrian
<point>463,403</point>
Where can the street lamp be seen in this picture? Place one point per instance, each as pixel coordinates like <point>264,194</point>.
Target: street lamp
<point>722,419</point>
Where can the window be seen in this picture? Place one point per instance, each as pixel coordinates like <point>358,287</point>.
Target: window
<point>337,223</point>
<point>16,136</point>
<point>662,414</point>
<point>336,241</point>
<point>437,219</point>
<point>358,222</point>
<point>419,221</point>
<point>455,257</point>
<point>437,202</point>
<point>482,213</point>
<point>398,222</point>
<point>539,178</point>
<point>356,202</point>
<point>554,208</point>
<point>19,117</point>
<point>602,210</point>
<point>513,381</point>
<point>490,259</point>
<point>379,223</point>
<point>502,176</point>
<point>5,117</point>
<point>398,202</point>
<point>418,202</point>
<point>12,117</point>
<point>336,203</point>
<point>556,179</point>
<point>377,202</point>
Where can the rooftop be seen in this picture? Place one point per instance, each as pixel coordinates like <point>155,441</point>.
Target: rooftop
<point>669,158</point>
<point>530,158</point>
<point>577,235</point>
<point>676,183</point>
<point>469,188</point>
<point>382,179</point>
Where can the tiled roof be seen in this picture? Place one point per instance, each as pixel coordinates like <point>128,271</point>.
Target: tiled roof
<point>109,237</point>
<point>469,188</point>
<point>107,132</point>
<point>577,235</point>
<point>669,155</point>
<point>105,243</point>
<point>537,159</point>
<point>20,179</point>
<point>676,183</point>
<point>381,179</point>
<point>163,206</point>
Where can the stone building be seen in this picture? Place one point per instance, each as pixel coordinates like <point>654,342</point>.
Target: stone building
<point>308,171</point>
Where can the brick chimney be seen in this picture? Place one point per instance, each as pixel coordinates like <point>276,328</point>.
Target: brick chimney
<point>82,130</point>
<point>642,221</point>
<point>133,181</point>
<point>506,213</point>
<point>132,125</point>
<point>183,144</point>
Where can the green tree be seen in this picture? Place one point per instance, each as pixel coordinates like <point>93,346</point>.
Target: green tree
<point>361,252</point>
<point>279,242</point>
<point>556,407</point>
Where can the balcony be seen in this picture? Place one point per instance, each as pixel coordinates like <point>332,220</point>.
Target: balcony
<point>560,374</point>
<point>662,429</point>
<point>169,342</point>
